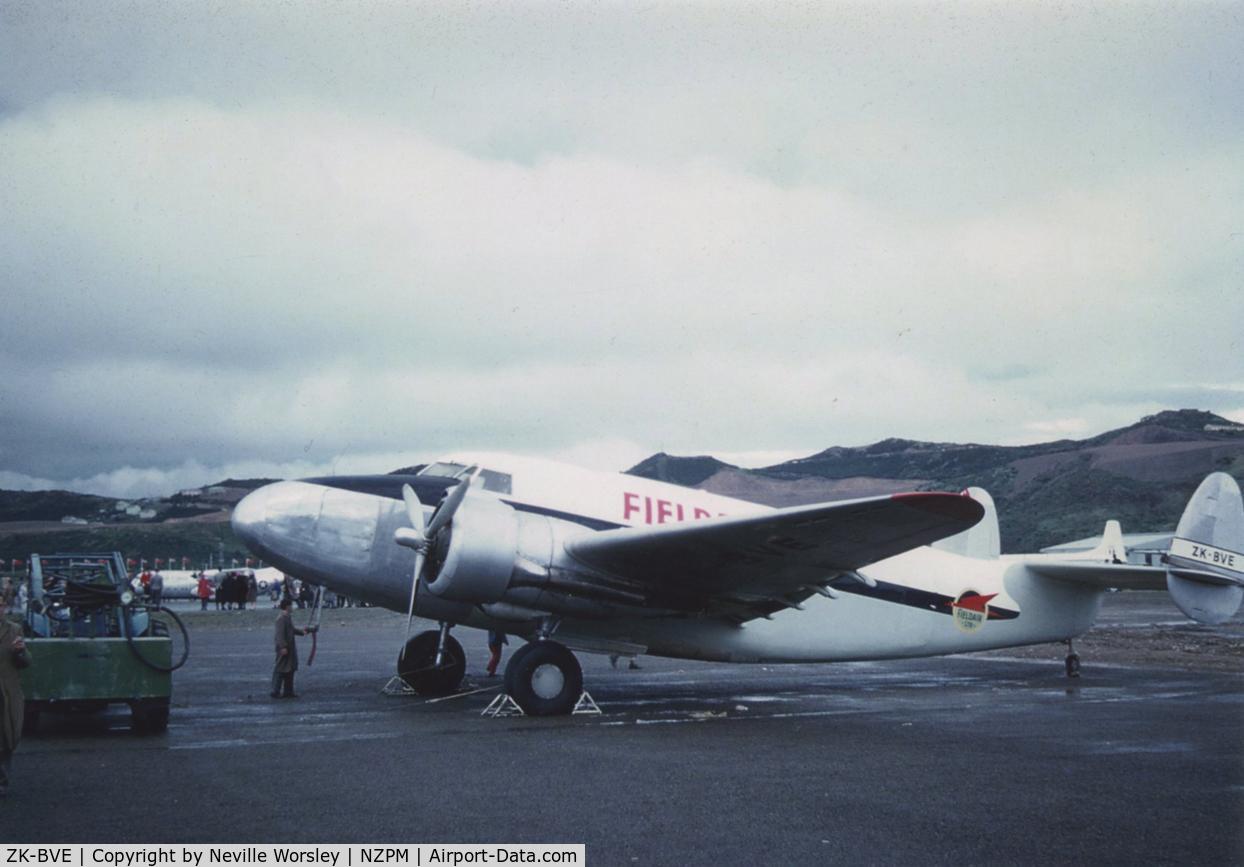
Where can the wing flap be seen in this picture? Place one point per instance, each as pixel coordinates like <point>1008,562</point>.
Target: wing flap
<point>775,552</point>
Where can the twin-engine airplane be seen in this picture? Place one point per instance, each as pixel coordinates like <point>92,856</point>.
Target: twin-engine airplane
<point>616,564</point>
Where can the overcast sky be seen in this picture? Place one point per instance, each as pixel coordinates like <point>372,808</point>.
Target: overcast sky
<point>284,239</point>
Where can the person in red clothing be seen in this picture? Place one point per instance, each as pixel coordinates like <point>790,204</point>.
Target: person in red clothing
<point>203,591</point>
<point>495,641</point>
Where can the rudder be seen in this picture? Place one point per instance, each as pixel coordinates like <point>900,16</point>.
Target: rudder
<point>1205,567</point>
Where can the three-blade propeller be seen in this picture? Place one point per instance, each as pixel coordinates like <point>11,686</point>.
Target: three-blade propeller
<point>420,539</point>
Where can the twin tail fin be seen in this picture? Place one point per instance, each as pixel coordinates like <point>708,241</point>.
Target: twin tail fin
<point>1205,566</point>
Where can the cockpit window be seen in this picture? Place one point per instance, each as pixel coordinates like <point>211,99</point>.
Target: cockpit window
<point>490,480</point>
<point>494,481</point>
<point>449,471</point>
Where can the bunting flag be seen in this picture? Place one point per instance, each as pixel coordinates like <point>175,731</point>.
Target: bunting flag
<point>158,562</point>
<point>185,562</point>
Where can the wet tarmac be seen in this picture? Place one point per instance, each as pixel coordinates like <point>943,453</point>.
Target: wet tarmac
<point>962,759</point>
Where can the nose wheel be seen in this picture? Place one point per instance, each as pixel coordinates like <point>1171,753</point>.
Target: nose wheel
<point>1073,661</point>
<point>417,664</point>
<point>544,678</point>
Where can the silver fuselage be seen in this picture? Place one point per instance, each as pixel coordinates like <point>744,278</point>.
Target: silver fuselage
<point>344,539</point>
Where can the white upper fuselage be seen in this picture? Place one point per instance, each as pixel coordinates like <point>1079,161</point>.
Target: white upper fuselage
<point>616,498</point>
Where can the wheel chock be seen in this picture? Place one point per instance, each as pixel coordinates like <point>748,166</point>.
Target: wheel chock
<point>586,704</point>
<point>396,686</point>
<point>502,705</point>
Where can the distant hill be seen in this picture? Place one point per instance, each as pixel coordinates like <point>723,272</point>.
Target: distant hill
<point>1141,474</point>
<point>243,484</point>
<point>50,505</point>
<point>185,524</point>
<point>688,472</point>
<point>1047,493</point>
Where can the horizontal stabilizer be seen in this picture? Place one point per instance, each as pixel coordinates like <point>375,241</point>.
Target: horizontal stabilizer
<point>1104,576</point>
<point>1204,570</point>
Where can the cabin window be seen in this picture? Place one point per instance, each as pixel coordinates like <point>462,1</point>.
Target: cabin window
<point>496,482</point>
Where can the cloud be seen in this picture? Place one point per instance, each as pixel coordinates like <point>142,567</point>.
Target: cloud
<point>828,229</point>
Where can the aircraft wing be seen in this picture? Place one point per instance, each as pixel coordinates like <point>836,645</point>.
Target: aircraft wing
<point>772,555</point>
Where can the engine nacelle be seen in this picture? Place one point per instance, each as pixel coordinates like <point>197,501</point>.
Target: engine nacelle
<point>482,547</point>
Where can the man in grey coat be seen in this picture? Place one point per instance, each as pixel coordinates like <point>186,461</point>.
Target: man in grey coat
<point>13,656</point>
<point>286,653</point>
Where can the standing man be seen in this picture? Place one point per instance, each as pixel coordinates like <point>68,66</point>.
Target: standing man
<point>13,657</point>
<point>157,588</point>
<point>495,641</point>
<point>286,653</point>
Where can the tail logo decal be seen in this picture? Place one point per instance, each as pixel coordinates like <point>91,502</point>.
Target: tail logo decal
<point>971,610</point>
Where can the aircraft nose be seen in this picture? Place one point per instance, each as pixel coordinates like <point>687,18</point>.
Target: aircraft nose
<point>248,513</point>
<point>277,520</point>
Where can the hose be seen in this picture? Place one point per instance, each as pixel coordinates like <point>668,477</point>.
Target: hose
<point>81,594</point>
<point>155,666</point>
<point>313,624</point>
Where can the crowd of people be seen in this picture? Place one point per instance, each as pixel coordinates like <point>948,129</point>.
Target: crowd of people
<point>238,589</point>
<point>229,590</point>
<point>235,590</point>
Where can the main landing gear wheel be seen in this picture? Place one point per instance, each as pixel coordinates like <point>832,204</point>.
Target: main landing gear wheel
<point>544,678</point>
<point>417,665</point>
<point>1073,665</point>
<point>149,716</point>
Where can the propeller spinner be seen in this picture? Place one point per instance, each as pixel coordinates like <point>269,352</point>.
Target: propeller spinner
<point>420,539</point>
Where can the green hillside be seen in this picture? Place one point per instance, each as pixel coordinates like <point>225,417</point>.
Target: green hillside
<point>1046,493</point>
<point>135,541</point>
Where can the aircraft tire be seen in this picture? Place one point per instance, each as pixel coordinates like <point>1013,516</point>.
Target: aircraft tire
<point>1073,665</point>
<point>417,666</point>
<point>149,716</point>
<point>513,665</point>
<point>544,678</point>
